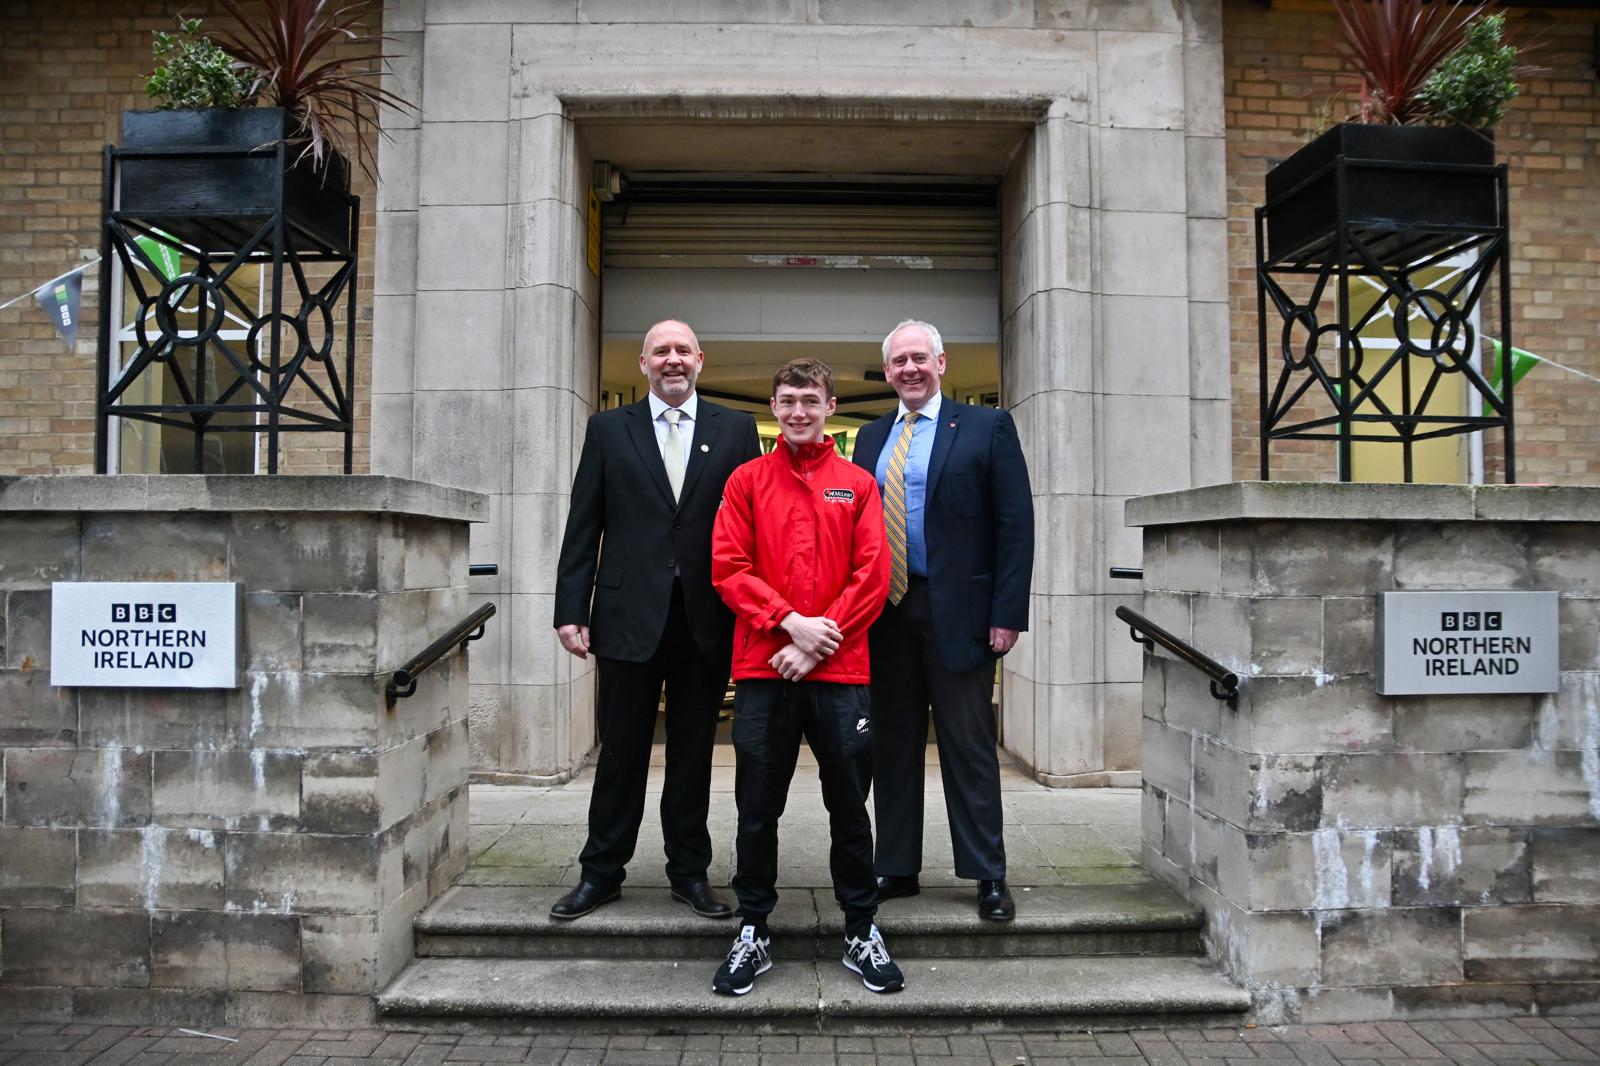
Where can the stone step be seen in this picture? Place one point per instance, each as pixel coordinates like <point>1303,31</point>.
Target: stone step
<point>808,995</point>
<point>513,922</point>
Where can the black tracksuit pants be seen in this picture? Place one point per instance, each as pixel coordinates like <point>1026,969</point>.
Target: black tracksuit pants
<point>769,719</point>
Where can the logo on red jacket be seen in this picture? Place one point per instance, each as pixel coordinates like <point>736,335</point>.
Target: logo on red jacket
<point>839,495</point>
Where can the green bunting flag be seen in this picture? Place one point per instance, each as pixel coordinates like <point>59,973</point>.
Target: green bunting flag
<point>60,299</point>
<point>1521,363</point>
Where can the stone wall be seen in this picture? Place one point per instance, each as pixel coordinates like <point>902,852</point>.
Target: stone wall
<point>231,857</point>
<point>1361,856</point>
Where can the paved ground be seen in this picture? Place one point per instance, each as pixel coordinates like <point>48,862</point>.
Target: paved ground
<point>1512,1042</point>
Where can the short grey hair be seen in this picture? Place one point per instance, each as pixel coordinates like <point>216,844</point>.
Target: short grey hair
<point>935,341</point>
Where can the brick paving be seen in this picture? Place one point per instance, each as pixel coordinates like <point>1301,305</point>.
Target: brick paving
<point>1502,1042</point>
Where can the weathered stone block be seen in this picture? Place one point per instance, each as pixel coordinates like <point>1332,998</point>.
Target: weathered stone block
<point>1561,555</point>
<point>271,632</point>
<point>40,549</point>
<point>25,645</point>
<point>1580,634</point>
<point>257,789</point>
<point>1461,555</point>
<point>1286,794</point>
<point>340,632</point>
<point>310,711</point>
<point>1412,946</point>
<point>1167,760</point>
<point>1534,788</point>
<point>1192,561</point>
<point>35,715</point>
<point>1190,707</point>
<point>339,953</point>
<point>1569,718</point>
<point>295,873</point>
<point>1566,865</point>
<point>214,949</point>
<point>1261,950</point>
<point>1378,791</point>
<point>1532,943</point>
<point>1223,783</point>
<point>1328,869</point>
<point>58,787</point>
<point>1312,714</point>
<point>1270,558</point>
<point>289,552</point>
<point>1462,723</point>
<point>1349,630</point>
<point>155,547</point>
<point>161,717</point>
<point>152,1006</point>
<point>340,793</point>
<point>60,946</point>
<point>1447,866</point>
<point>409,621</point>
<point>418,553</point>
<point>151,867</point>
<point>38,867</point>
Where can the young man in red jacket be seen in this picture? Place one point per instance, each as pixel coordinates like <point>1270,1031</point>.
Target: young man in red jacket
<point>798,552</point>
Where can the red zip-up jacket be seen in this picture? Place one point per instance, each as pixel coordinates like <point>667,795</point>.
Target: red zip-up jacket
<point>800,531</point>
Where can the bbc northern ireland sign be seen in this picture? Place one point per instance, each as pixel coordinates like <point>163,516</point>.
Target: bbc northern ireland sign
<point>1467,642</point>
<point>144,634</point>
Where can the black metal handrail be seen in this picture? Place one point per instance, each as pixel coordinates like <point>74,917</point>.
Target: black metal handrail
<point>1131,573</point>
<point>404,681</point>
<point>1224,682</point>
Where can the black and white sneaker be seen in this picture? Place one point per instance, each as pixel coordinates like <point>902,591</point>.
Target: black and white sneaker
<point>870,958</point>
<point>749,957</point>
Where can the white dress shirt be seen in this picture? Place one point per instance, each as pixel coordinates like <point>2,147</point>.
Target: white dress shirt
<point>658,408</point>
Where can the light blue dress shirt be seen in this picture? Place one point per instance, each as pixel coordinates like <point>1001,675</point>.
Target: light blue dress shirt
<point>922,432</point>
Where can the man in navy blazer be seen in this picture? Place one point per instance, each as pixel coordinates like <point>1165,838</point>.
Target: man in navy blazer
<point>953,477</point>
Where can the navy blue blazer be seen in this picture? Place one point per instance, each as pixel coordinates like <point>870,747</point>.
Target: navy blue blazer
<point>978,525</point>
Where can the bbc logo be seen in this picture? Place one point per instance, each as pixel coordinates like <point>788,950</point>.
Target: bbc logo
<point>1470,621</point>
<point>144,612</point>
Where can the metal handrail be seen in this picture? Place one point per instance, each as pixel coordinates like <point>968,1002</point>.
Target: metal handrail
<point>1224,682</point>
<point>403,683</point>
<point>1131,573</point>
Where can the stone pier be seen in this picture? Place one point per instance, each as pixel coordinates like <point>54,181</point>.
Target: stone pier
<point>1357,855</point>
<point>249,856</point>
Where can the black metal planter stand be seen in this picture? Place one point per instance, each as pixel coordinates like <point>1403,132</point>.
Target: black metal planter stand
<point>1317,382</point>
<point>249,206</point>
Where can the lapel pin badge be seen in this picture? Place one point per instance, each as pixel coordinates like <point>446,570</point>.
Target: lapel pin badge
<point>950,425</point>
<point>705,447</point>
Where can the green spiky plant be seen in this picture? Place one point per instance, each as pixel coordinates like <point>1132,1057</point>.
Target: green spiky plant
<point>1390,48</point>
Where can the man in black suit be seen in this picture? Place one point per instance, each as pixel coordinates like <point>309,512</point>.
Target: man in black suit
<point>959,517</point>
<point>634,587</point>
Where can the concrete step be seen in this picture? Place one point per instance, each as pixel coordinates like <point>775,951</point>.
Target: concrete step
<point>514,922</point>
<point>807,995</point>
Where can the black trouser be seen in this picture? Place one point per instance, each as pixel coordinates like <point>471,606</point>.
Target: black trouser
<point>769,718</point>
<point>907,677</point>
<point>625,710</point>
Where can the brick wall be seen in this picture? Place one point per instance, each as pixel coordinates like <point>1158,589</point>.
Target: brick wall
<point>1274,57</point>
<point>68,70</point>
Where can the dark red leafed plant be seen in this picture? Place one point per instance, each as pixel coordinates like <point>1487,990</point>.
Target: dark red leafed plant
<point>334,99</point>
<point>1391,46</point>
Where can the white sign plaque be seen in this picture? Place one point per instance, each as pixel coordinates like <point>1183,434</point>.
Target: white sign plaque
<point>1466,642</point>
<point>144,634</point>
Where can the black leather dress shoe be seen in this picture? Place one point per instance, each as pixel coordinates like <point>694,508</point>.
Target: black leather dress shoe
<point>995,902</point>
<point>703,901</point>
<point>583,899</point>
<point>891,886</point>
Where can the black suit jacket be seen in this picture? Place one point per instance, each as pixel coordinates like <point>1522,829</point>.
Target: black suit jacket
<point>625,536</point>
<point>978,525</point>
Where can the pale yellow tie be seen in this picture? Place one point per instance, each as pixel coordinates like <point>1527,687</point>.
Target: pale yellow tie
<point>672,454</point>
<point>894,510</point>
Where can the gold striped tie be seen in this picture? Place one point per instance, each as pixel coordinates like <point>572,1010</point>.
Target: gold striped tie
<point>894,510</point>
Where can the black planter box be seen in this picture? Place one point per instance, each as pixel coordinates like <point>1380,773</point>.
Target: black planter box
<point>1303,225</point>
<point>216,202</point>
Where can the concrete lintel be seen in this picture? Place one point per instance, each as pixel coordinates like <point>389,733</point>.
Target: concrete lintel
<point>241,492</point>
<point>1272,500</point>
<point>627,103</point>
